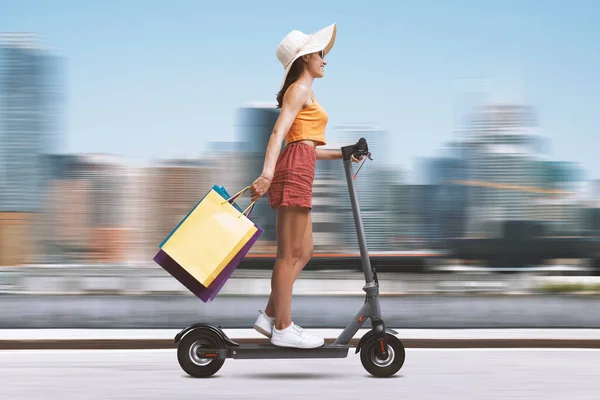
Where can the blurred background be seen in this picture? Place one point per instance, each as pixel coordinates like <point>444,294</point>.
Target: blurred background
<point>117,117</point>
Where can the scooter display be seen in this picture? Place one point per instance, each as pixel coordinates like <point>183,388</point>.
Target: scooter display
<point>202,348</point>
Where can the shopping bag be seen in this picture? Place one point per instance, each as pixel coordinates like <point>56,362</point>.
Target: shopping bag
<point>219,189</point>
<point>209,237</point>
<point>206,294</point>
<point>247,212</point>
<point>215,287</point>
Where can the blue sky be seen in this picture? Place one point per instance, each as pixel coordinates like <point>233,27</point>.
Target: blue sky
<point>154,78</point>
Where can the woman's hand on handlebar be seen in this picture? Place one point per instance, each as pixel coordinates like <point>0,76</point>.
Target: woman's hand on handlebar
<point>259,187</point>
<point>354,159</point>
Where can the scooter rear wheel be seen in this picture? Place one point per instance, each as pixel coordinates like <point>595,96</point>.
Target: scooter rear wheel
<point>187,353</point>
<point>382,368</point>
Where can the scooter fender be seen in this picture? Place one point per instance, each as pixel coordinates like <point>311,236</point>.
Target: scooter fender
<point>366,337</point>
<point>208,327</point>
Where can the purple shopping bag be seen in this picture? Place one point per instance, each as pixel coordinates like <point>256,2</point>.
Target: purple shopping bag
<point>206,294</point>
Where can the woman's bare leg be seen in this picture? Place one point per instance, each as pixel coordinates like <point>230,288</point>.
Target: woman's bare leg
<point>305,256</point>
<point>291,225</point>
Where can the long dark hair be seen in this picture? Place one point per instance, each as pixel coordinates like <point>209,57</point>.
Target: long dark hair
<point>291,77</point>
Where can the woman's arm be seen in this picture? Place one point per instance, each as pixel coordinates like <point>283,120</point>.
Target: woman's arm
<point>329,154</point>
<point>293,101</point>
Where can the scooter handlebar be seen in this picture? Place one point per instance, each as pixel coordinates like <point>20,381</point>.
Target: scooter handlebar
<point>361,148</point>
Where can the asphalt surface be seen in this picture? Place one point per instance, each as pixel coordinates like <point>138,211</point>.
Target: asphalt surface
<point>427,374</point>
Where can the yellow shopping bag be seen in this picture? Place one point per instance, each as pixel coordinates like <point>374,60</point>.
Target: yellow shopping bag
<point>213,233</point>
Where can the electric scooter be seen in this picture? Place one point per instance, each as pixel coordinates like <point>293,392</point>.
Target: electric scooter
<point>202,348</point>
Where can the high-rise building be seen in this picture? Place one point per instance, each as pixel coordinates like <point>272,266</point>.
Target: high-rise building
<point>373,184</point>
<point>509,175</point>
<point>30,126</point>
<point>446,204</point>
<point>255,123</point>
<point>503,152</point>
<point>326,224</point>
<point>30,117</point>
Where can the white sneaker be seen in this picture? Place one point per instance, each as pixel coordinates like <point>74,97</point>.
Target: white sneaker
<point>295,336</point>
<point>264,324</point>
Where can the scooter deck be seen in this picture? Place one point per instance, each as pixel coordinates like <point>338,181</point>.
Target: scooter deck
<point>269,351</point>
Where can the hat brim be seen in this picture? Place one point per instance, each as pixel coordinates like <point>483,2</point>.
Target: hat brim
<point>323,39</point>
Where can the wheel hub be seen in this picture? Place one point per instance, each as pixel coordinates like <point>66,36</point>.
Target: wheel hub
<point>383,362</point>
<point>195,349</point>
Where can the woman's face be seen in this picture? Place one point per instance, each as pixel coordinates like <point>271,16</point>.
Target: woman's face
<point>316,64</point>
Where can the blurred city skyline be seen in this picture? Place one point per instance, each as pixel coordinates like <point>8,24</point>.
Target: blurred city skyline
<point>58,207</point>
<point>157,81</point>
<point>488,172</point>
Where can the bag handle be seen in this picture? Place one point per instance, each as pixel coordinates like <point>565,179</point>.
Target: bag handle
<point>250,207</point>
<point>238,194</point>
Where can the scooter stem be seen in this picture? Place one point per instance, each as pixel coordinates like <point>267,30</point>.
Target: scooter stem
<point>362,242</point>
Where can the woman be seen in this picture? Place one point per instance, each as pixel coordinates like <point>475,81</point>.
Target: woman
<point>288,177</point>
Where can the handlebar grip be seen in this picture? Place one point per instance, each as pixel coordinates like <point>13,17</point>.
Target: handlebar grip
<point>361,148</point>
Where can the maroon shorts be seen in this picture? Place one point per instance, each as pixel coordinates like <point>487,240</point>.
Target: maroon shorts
<point>292,184</point>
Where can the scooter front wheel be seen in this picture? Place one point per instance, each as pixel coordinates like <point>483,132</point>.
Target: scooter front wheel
<point>374,364</point>
<point>189,359</point>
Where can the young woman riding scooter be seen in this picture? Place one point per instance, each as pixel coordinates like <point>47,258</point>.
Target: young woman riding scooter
<point>288,176</point>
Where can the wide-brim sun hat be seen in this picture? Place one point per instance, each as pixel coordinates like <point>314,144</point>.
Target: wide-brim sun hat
<point>296,44</point>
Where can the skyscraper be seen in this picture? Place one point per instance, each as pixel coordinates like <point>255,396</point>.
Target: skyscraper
<point>504,150</point>
<point>446,202</point>
<point>510,176</point>
<point>254,126</point>
<point>373,186</point>
<point>30,114</point>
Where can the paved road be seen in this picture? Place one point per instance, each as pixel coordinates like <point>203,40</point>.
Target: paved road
<point>427,374</point>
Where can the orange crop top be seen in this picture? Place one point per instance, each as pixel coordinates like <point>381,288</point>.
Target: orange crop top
<point>309,124</point>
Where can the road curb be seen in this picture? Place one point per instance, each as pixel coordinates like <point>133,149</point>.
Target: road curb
<point>146,344</point>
